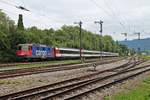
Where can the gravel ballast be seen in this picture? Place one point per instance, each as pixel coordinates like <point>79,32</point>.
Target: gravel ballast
<point>11,85</point>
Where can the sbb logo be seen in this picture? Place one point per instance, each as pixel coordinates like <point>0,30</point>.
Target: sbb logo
<point>40,53</point>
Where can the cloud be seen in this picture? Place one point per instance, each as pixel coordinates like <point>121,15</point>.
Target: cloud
<point>118,15</point>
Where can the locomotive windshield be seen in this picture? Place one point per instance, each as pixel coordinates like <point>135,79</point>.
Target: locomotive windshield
<point>23,47</point>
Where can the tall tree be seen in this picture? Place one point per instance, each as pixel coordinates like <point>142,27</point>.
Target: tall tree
<point>20,22</point>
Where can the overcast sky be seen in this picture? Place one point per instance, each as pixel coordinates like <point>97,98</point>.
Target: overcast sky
<point>119,16</point>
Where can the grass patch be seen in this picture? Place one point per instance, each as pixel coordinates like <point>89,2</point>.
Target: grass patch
<point>146,57</point>
<point>43,64</point>
<point>142,92</point>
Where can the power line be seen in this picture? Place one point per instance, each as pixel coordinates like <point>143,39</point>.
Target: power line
<point>31,12</point>
<point>111,14</point>
<point>129,26</point>
<point>121,21</point>
<point>106,12</point>
<point>34,20</point>
<point>116,9</point>
<point>43,15</point>
<point>5,2</point>
<point>97,5</point>
<point>34,12</point>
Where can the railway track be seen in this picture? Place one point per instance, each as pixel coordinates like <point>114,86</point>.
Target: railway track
<point>44,62</point>
<point>70,89</point>
<point>29,71</point>
<point>111,82</point>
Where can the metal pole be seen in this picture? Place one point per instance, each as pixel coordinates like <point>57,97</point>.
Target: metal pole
<point>80,25</point>
<point>139,50</point>
<point>139,46</point>
<point>100,39</point>
<point>125,34</point>
<point>101,31</point>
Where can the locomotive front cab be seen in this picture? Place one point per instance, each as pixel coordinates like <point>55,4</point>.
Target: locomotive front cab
<point>24,50</point>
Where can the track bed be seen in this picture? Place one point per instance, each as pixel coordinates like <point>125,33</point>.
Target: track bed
<point>82,80</point>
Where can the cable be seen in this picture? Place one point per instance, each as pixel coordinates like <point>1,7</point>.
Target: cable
<point>5,2</point>
<point>123,17</point>
<point>106,12</point>
<point>31,12</point>
<point>111,13</point>
<point>34,12</point>
<point>34,20</point>
<point>121,21</point>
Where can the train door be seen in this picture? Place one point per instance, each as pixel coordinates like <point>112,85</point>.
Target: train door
<point>30,50</point>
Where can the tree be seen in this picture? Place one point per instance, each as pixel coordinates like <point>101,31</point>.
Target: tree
<point>20,22</point>
<point>108,43</point>
<point>4,42</point>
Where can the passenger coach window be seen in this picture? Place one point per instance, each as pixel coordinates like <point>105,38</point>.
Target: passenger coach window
<point>69,52</point>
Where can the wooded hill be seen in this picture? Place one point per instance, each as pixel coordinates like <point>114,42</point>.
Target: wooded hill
<point>144,44</point>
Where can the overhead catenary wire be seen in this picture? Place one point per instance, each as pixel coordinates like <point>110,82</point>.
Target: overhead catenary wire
<point>48,16</point>
<point>114,11</point>
<point>17,5</point>
<point>107,13</point>
<point>8,3</point>
<point>34,20</point>
<point>123,21</point>
<point>57,23</point>
<point>32,12</point>
<point>126,22</point>
<point>97,5</point>
<point>111,13</point>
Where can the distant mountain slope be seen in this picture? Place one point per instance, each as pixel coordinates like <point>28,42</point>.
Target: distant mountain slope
<point>144,44</point>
